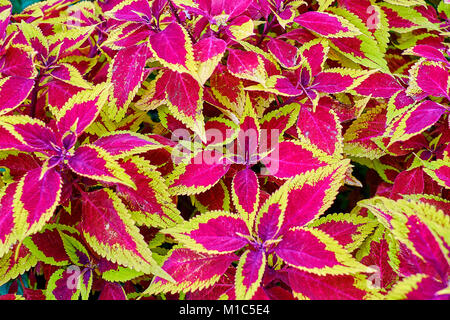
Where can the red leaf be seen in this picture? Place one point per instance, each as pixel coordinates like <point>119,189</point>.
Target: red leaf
<point>14,91</point>
<point>325,24</point>
<point>192,270</point>
<point>328,287</point>
<point>378,85</point>
<point>246,192</point>
<point>201,173</point>
<point>112,291</point>
<point>289,159</point>
<point>126,73</point>
<point>173,48</point>
<point>284,52</point>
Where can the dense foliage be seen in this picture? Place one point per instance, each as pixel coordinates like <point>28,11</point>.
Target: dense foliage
<point>238,149</point>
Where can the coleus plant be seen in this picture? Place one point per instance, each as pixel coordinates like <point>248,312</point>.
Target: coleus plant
<point>275,235</point>
<point>240,149</point>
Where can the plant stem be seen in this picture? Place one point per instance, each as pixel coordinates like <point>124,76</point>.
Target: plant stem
<point>34,94</point>
<point>266,30</point>
<point>21,283</point>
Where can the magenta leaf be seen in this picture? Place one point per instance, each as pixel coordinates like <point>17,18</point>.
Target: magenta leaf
<point>201,173</point>
<point>126,74</point>
<point>326,24</point>
<point>318,253</point>
<point>14,91</point>
<point>212,232</point>
<point>378,85</point>
<point>249,273</point>
<point>112,291</point>
<point>95,163</point>
<point>108,228</point>
<point>120,144</point>
<point>81,110</point>
<point>330,287</point>
<point>192,270</point>
<point>246,192</point>
<point>173,48</point>
<point>289,158</point>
